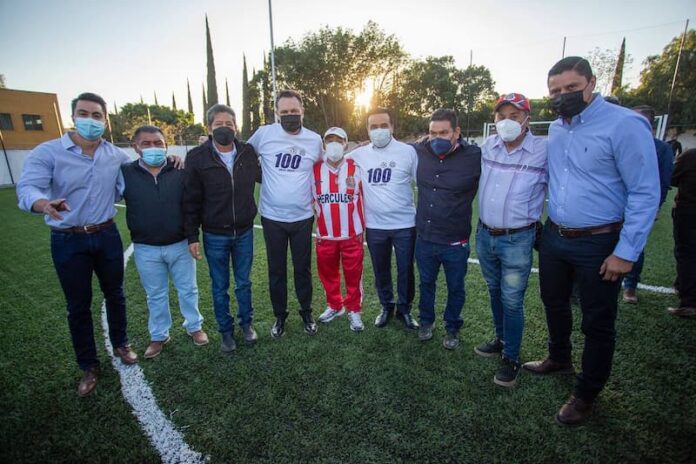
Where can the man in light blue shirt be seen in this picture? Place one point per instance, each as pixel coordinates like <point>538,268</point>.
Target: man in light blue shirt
<point>604,192</point>
<point>72,181</point>
<point>514,175</point>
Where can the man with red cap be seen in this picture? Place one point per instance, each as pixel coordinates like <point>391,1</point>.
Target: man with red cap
<point>514,176</point>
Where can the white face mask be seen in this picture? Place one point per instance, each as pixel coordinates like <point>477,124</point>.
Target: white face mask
<point>380,137</point>
<point>508,130</point>
<point>334,151</point>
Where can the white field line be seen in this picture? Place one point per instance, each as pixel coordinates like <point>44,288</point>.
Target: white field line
<point>649,288</point>
<point>161,432</point>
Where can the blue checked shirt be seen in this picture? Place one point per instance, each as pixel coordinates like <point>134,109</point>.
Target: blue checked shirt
<point>603,169</point>
<point>513,185</point>
<point>58,169</point>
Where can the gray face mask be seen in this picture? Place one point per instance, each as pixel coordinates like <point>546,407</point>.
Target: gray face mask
<point>380,138</point>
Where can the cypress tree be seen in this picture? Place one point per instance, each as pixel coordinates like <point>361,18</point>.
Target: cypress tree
<point>190,100</point>
<point>246,107</point>
<point>212,85</point>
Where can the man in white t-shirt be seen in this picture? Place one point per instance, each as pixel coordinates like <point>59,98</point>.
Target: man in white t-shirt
<point>389,170</point>
<point>288,152</point>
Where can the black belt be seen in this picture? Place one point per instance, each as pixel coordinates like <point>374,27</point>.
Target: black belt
<point>586,231</point>
<point>495,232</point>
<point>88,229</point>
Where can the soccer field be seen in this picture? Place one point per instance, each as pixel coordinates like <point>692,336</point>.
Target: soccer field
<point>380,396</point>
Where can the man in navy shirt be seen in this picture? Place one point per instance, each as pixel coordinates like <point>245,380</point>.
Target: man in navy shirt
<point>603,196</point>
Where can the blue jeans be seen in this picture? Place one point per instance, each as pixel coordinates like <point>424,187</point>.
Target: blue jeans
<point>506,261</point>
<point>219,249</point>
<point>564,260</point>
<point>76,257</point>
<point>453,258</point>
<point>632,278</point>
<point>380,243</point>
<point>155,264</point>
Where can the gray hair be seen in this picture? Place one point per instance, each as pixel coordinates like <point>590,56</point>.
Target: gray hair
<point>218,108</point>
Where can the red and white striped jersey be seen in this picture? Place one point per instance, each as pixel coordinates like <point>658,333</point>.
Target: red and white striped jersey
<point>338,200</point>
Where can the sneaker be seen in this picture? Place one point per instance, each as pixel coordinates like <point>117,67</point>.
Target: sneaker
<point>250,335</point>
<point>331,314</point>
<point>278,328</point>
<point>490,349</point>
<point>228,345</point>
<point>506,375</point>
<point>356,323</point>
<point>451,341</point>
<point>425,332</point>
<point>629,296</point>
<point>310,327</point>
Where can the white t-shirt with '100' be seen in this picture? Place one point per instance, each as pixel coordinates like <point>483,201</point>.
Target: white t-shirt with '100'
<point>286,167</point>
<point>387,178</point>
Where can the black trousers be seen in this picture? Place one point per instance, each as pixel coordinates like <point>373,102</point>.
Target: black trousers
<point>562,260</point>
<point>277,236</point>
<point>684,221</point>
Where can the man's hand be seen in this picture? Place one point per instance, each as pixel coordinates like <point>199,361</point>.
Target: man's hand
<point>613,268</point>
<point>177,160</point>
<point>195,250</point>
<point>51,207</point>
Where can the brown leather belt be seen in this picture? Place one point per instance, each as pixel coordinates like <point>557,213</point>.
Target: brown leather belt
<point>497,232</point>
<point>586,231</point>
<point>88,229</point>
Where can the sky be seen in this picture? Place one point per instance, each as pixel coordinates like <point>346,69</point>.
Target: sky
<point>124,49</point>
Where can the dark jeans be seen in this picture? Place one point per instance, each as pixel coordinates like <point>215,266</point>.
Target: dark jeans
<point>453,259</point>
<point>684,221</point>
<point>75,258</point>
<point>632,279</point>
<point>277,236</point>
<point>561,259</point>
<point>380,243</point>
<point>219,249</point>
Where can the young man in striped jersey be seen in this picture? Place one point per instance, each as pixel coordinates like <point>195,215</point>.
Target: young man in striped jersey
<point>340,223</point>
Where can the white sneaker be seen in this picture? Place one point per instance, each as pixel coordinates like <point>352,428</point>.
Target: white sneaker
<point>356,323</point>
<point>331,314</point>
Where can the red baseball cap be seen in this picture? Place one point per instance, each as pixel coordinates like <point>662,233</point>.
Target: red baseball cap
<point>517,100</point>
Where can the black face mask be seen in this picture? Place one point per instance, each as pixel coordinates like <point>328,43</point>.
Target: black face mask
<point>567,105</point>
<point>291,122</point>
<point>223,135</point>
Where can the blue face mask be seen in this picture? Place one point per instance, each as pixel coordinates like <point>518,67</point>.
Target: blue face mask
<point>89,129</point>
<point>154,156</point>
<point>440,146</point>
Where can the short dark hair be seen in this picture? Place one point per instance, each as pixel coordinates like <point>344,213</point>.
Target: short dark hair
<point>572,63</point>
<point>148,129</point>
<point>88,96</point>
<point>381,110</point>
<point>218,108</point>
<point>445,114</point>
<point>612,99</point>
<point>647,111</point>
<point>289,93</point>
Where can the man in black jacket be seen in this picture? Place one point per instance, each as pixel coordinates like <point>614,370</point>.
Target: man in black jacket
<point>447,178</point>
<point>153,189</point>
<point>219,196</point>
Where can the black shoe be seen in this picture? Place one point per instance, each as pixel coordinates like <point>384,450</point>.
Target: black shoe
<point>408,321</point>
<point>384,317</point>
<point>489,349</point>
<point>506,375</point>
<point>278,328</point>
<point>310,327</point>
<point>425,332</point>
<point>451,341</point>
<point>250,335</point>
<point>228,344</point>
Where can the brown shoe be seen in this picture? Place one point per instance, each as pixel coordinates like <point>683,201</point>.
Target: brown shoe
<point>682,312</point>
<point>574,412</point>
<point>88,382</point>
<point>629,296</point>
<point>155,348</point>
<point>548,366</point>
<point>126,354</point>
<point>199,337</point>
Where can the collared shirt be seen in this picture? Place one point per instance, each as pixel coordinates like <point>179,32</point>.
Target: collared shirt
<point>602,170</point>
<point>59,169</point>
<point>513,185</point>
